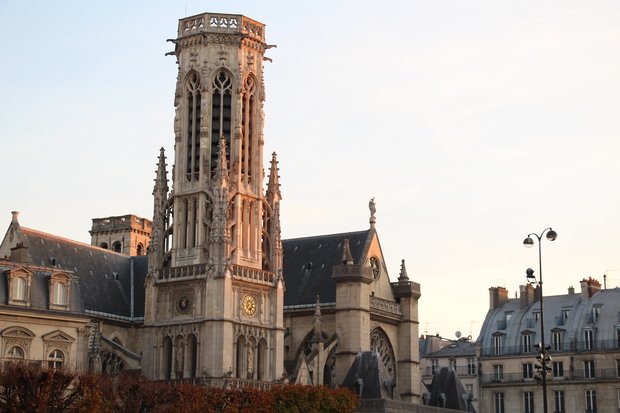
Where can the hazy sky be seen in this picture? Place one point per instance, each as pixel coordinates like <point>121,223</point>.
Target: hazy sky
<point>472,123</point>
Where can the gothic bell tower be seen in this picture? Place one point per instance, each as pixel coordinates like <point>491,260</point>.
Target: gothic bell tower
<point>214,294</point>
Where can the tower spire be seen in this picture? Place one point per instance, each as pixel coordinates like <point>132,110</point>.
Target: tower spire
<point>273,186</point>
<point>403,277</point>
<point>160,197</point>
<point>347,258</point>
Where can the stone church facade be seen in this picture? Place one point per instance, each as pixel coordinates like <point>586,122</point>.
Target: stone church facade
<point>220,298</point>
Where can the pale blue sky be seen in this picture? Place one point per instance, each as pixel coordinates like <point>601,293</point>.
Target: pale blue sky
<point>471,122</point>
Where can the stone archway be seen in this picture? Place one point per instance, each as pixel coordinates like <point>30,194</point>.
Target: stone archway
<point>380,343</point>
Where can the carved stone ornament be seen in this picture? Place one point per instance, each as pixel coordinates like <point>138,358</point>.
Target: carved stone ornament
<point>380,343</point>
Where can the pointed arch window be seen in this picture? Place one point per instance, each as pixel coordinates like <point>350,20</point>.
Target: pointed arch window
<point>221,113</point>
<point>248,125</point>
<point>192,90</point>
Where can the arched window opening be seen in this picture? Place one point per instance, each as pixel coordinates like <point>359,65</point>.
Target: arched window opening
<point>20,289</point>
<point>247,125</point>
<point>139,249</point>
<point>15,352</point>
<point>193,126</point>
<point>193,347</point>
<point>261,360</point>
<point>329,369</point>
<point>60,294</point>
<point>117,247</point>
<point>167,358</point>
<point>55,360</point>
<point>104,245</point>
<point>380,343</point>
<point>240,373</point>
<point>221,113</point>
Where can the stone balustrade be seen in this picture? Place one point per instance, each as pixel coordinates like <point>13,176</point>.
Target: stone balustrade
<point>221,23</point>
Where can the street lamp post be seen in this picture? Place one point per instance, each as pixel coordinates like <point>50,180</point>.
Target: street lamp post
<point>529,242</point>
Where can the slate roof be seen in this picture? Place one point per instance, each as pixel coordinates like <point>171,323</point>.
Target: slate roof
<point>580,310</point>
<point>458,348</point>
<point>103,277</point>
<point>308,262</point>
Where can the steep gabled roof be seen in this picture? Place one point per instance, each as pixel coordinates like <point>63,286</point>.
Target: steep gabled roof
<point>308,265</point>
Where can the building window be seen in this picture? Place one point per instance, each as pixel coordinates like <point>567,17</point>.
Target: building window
<point>140,250</point>
<point>528,402</point>
<point>596,311</point>
<point>434,366</point>
<point>617,368</point>
<point>20,289</point>
<point>565,314</point>
<point>192,90</point>
<point>556,341</point>
<point>116,247</point>
<point>536,316</point>
<point>618,338</point>
<point>588,369</point>
<point>60,294</point>
<point>471,366</point>
<point>221,108</point>
<point>498,401</point>
<point>591,401</point>
<point>526,343</point>
<point>55,360</point>
<point>104,245</point>
<point>498,344</point>
<point>528,371</point>
<point>588,336</point>
<point>248,111</point>
<point>15,352</point>
<point>498,371</point>
<point>558,369</point>
<point>558,401</point>
<point>469,388</point>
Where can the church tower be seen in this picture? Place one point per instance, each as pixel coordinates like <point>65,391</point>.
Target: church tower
<point>214,293</point>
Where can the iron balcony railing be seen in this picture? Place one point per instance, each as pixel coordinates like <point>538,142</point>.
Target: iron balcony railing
<point>570,347</point>
<point>461,371</point>
<point>596,374</point>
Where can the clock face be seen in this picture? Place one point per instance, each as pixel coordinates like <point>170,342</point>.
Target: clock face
<point>374,265</point>
<point>184,303</point>
<point>248,304</point>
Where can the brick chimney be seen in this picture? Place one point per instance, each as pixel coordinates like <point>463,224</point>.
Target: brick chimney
<point>19,253</point>
<point>589,287</point>
<point>498,296</point>
<point>526,296</point>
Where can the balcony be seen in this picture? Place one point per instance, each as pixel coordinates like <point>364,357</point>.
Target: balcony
<point>580,375</point>
<point>571,347</point>
<point>461,371</point>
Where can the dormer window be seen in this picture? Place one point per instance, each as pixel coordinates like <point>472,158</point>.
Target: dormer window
<point>19,286</point>
<point>19,293</point>
<point>59,287</point>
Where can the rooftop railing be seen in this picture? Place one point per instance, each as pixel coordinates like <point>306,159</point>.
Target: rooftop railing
<point>221,23</point>
<point>596,374</point>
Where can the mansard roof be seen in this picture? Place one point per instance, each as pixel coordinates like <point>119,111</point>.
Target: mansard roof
<point>570,314</point>
<point>308,264</point>
<point>102,278</point>
<point>455,348</point>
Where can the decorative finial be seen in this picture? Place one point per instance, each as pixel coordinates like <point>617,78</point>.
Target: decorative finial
<point>347,258</point>
<point>373,209</point>
<point>14,216</point>
<point>317,308</point>
<point>403,277</point>
<point>221,172</point>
